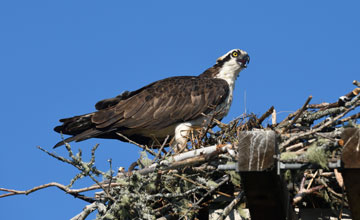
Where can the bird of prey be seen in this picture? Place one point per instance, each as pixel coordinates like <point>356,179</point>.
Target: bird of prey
<point>169,107</point>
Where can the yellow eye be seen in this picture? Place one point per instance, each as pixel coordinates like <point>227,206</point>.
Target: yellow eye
<point>235,54</point>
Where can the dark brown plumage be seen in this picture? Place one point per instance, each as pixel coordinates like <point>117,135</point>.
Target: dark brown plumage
<point>155,106</point>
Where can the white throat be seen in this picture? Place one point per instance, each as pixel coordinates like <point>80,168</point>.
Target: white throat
<point>229,73</point>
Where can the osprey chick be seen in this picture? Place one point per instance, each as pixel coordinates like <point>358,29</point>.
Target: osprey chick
<point>172,106</point>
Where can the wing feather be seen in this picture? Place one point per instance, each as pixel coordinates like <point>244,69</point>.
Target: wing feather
<point>133,109</point>
<point>155,106</point>
<point>158,113</point>
<point>169,101</point>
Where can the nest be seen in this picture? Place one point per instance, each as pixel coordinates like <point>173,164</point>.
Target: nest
<point>163,184</point>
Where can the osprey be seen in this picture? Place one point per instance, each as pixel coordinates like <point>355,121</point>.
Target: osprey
<point>172,106</point>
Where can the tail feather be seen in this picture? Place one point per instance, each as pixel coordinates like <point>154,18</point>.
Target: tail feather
<point>67,140</point>
<point>91,133</point>
<point>81,127</point>
<point>75,125</point>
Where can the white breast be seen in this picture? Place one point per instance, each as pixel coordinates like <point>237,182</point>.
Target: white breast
<point>229,73</point>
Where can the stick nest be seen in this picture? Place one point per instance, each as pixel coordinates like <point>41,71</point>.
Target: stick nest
<point>185,185</point>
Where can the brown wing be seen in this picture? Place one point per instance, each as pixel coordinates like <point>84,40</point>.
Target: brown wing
<point>164,103</point>
<point>155,106</point>
<point>107,103</point>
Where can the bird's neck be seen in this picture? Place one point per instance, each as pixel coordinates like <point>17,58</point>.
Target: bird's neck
<point>229,73</point>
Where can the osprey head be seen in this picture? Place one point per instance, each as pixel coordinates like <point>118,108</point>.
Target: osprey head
<point>236,58</point>
<point>228,66</point>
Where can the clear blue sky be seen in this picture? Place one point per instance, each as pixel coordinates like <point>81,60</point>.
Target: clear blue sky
<point>58,58</point>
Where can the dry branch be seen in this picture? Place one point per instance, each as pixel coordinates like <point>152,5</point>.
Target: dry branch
<point>266,114</point>
<point>356,83</point>
<point>144,147</point>
<point>327,123</point>
<point>231,206</point>
<point>298,114</point>
<point>89,209</point>
<point>74,192</point>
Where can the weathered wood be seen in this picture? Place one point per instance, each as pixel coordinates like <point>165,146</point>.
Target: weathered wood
<point>318,213</point>
<point>256,150</point>
<point>267,196</point>
<point>351,152</point>
<point>351,171</point>
<point>352,186</point>
<point>266,193</point>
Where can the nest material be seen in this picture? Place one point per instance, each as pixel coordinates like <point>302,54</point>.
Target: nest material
<point>186,185</point>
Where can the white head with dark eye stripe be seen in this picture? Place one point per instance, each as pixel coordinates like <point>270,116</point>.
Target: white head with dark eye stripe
<point>234,57</point>
<point>231,64</point>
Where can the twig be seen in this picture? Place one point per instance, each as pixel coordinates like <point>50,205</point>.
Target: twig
<point>322,174</point>
<point>92,160</point>
<point>190,180</point>
<point>302,192</point>
<point>219,123</point>
<point>85,168</point>
<point>161,148</point>
<point>89,209</point>
<point>198,184</point>
<point>339,178</point>
<point>55,156</point>
<point>223,180</point>
<point>273,117</point>
<point>341,101</point>
<point>330,189</point>
<point>299,145</point>
<point>356,83</point>
<point>298,114</point>
<point>111,172</point>
<point>298,197</point>
<point>208,125</point>
<point>287,142</point>
<point>144,147</point>
<point>230,207</point>
<point>312,179</point>
<point>74,192</point>
<point>354,116</point>
<point>266,114</point>
<point>170,195</point>
<point>76,162</point>
<point>317,106</point>
<point>342,202</point>
<point>287,119</point>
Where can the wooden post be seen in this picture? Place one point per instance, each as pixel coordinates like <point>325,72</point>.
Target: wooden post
<point>265,190</point>
<point>351,169</point>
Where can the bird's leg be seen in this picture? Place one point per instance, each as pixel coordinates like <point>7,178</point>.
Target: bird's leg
<point>182,132</point>
<point>180,147</point>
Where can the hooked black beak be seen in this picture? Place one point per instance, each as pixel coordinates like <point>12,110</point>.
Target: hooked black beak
<point>244,60</point>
